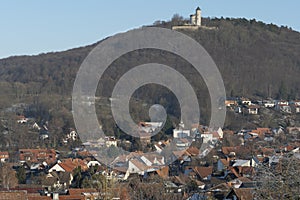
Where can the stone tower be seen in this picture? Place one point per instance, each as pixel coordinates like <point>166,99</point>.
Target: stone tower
<point>198,17</point>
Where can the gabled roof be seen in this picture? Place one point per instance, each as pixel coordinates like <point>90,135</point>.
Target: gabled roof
<point>203,172</point>
<point>193,151</point>
<point>139,164</point>
<point>227,150</point>
<point>163,172</point>
<point>225,162</point>
<point>243,193</point>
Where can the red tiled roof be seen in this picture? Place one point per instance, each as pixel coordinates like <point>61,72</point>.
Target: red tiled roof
<point>70,164</point>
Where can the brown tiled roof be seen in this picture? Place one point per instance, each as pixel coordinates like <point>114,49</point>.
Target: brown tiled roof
<point>203,172</point>
<point>37,155</point>
<point>163,172</point>
<point>193,151</point>
<point>178,154</point>
<point>243,193</point>
<point>70,164</point>
<point>38,197</point>
<point>244,179</point>
<point>79,191</point>
<point>4,154</point>
<point>71,197</point>
<point>11,194</point>
<point>227,150</point>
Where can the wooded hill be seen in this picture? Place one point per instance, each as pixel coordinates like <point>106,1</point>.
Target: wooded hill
<point>255,60</point>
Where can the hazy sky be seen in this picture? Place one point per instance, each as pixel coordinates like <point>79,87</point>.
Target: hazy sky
<point>37,26</point>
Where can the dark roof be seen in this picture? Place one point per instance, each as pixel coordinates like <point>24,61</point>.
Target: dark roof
<point>198,8</point>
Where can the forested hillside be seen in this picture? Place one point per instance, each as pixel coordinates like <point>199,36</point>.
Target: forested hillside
<point>255,60</point>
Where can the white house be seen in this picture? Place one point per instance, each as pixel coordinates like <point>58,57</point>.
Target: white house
<point>269,104</point>
<point>283,108</point>
<point>207,137</point>
<point>252,109</point>
<point>111,141</point>
<point>180,132</point>
<point>57,167</point>
<point>93,163</point>
<point>72,135</point>
<point>246,101</point>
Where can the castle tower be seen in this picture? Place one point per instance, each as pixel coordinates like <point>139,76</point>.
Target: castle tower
<point>198,16</point>
<point>193,19</point>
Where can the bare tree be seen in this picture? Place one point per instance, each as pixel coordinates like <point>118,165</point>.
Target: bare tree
<point>280,180</point>
<point>8,177</point>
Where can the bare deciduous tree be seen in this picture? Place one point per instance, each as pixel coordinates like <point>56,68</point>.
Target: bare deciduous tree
<point>8,177</point>
<point>280,180</point>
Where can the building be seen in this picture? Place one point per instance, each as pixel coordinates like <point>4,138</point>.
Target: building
<point>180,132</point>
<point>37,155</point>
<point>111,141</point>
<point>252,109</point>
<point>4,156</point>
<point>195,19</point>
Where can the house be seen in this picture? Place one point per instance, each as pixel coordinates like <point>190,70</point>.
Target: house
<point>297,109</point>
<point>148,129</point>
<point>111,141</point>
<point>36,126</point>
<point>204,173</point>
<point>180,132</point>
<point>240,194</point>
<point>245,163</point>
<point>239,182</point>
<point>182,143</point>
<point>138,166</point>
<point>245,101</point>
<point>293,130</point>
<point>72,135</point>
<point>269,103</point>
<point>13,194</point>
<point>231,102</point>
<point>252,109</point>
<point>69,165</point>
<point>207,137</point>
<point>4,156</point>
<point>37,155</point>
<point>283,107</point>
<point>93,163</point>
<point>296,102</point>
<point>21,119</point>
<point>282,102</point>
<point>57,180</point>
<point>153,159</point>
<point>223,164</point>
<point>230,151</point>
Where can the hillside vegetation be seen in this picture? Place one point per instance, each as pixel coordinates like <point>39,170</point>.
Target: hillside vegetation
<point>255,60</point>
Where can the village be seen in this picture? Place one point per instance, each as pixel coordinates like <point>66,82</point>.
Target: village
<point>208,163</point>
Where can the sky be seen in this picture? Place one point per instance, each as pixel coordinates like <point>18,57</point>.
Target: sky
<point>38,26</point>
